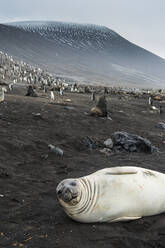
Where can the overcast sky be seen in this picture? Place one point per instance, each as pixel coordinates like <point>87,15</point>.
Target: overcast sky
<point>140,21</point>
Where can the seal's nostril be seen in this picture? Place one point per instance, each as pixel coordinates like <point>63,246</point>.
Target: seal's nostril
<point>59,192</point>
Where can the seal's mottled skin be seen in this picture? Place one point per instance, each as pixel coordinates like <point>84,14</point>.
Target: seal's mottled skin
<point>113,194</point>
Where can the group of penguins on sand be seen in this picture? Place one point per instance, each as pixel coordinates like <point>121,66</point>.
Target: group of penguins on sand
<point>99,110</point>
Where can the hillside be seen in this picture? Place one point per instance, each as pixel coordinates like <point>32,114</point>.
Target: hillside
<point>87,53</point>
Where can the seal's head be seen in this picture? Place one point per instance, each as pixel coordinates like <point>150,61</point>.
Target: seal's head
<point>68,192</point>
<point>77,197</point>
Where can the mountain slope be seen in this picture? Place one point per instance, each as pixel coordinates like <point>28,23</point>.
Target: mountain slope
<point>87,53</point>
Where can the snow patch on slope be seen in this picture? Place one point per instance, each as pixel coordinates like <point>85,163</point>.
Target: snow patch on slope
<point>84,36</point>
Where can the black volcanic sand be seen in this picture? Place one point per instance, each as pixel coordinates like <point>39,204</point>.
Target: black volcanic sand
<point>30,214</point>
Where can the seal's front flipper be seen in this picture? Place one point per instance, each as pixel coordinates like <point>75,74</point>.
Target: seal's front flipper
<point>125,219</point>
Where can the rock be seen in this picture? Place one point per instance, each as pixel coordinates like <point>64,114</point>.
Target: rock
<point>37,115</point>
<point>44,156</point>
<point>160,124</point>
<point>92,144</point>
<point>67,100</point>
<point>109,118</point>
<point>108,143</point>
<point>132,143</point>
<point>55,149</point>
<point>106,151</point>
<point>88,142</point>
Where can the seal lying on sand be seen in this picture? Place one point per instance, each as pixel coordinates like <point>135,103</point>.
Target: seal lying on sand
<point>113,194</point>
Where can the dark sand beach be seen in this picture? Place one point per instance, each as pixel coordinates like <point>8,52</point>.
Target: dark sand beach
<point>30,215</point>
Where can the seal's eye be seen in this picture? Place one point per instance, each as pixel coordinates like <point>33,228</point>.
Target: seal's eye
<point>73,183</point>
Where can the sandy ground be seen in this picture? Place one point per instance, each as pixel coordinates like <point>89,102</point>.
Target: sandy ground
<point>30,215</point>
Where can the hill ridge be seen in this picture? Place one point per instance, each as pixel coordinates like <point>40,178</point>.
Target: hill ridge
<point>85,52</point>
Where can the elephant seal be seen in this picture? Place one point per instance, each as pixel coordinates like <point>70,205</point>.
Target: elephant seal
<point>113,194</point>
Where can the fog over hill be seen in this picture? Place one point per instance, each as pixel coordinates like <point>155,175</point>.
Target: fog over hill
<point>87,53</point>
